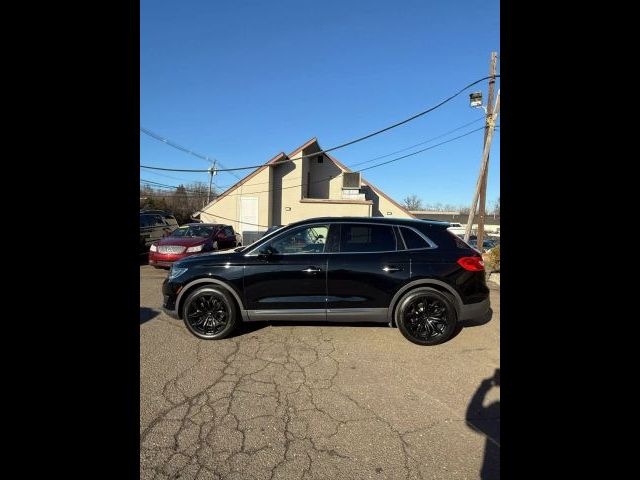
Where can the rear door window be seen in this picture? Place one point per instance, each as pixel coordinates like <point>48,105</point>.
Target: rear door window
<point>356,237</point>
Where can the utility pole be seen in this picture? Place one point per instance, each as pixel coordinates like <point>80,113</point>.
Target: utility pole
<point>483,167</point>
<point>483,188</point>
<point>212,172</point>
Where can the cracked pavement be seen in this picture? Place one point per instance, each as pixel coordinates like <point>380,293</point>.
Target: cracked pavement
<point>314,401</point>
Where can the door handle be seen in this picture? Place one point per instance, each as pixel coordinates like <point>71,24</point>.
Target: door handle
<point>391,268</point>
<point>312,270</point>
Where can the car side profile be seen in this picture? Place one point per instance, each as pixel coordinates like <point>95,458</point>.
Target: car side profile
<point>409,273</point>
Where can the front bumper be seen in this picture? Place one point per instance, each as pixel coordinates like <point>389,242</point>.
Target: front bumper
<point>171,313</point>
<point>166,259</point>
<point>170,293</point>
<point>473,311</point>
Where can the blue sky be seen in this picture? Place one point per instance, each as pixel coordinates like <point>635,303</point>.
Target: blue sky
<point>243,80</point>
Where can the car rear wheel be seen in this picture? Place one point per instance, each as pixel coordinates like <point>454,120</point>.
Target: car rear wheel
<point>426,317</point>
<point>210,313</point>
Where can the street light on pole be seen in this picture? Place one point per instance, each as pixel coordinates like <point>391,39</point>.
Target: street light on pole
<point>491,111</point>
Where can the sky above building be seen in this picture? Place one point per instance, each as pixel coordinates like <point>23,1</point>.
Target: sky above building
<point>242,81</point>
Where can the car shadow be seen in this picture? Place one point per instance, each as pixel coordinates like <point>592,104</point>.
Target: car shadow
<point>249,327</point>
<point>147,314</point>
<point>246,328</point>
<point>476,322</point>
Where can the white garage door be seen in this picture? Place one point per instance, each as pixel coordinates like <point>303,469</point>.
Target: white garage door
<point>248,214</point>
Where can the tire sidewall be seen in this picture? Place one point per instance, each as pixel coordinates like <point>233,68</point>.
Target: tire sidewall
<point>222,295</point>
<point>408,298</point>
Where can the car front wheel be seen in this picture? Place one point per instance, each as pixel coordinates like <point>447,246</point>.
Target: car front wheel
<point>210,313</point>
<point>426,317</point>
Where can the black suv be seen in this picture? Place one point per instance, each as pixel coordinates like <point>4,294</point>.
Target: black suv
<point>411,273</point>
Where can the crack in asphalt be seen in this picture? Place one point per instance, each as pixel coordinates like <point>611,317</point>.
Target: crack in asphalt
<point>269,410</point>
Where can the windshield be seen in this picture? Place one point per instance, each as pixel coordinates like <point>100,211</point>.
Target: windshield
<point>193,231</point>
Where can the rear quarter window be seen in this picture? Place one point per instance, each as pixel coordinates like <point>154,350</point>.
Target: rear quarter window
<point>442,237</point>
<point>412,240</point>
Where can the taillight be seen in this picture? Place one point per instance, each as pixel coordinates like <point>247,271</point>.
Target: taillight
<point>473,264</point>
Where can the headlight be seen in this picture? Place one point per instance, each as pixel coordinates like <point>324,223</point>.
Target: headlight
<point>153,248</point>
<point>176,272</point>
<point>195,249</point>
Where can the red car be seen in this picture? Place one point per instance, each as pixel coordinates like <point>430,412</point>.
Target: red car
<point>192,239</point>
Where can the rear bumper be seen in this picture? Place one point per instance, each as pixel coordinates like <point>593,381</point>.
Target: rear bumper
<point>472,311</point>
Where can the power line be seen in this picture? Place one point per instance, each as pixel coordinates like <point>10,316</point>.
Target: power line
<point>392,153</point>
<point>174,178</point>
<point>397,124</point>
<point>423,150</point>
<point>362,170</point>
<point>236,220</point>
<point>413,117</point>
<point>418,144</point>
<point>164,185</point>
<point>166,141</point>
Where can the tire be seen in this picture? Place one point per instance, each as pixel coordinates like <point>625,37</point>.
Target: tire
<point>219,314</point>
<point>426,316</point>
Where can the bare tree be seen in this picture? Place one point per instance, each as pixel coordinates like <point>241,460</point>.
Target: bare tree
<point>496,208</point>
<point>412,202</point>
<point>183,201</point>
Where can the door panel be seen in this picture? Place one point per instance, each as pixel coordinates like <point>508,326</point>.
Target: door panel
<point>294,274</point>
<point>365,280</point>
<point>366,273</point>
<point>286,282</point>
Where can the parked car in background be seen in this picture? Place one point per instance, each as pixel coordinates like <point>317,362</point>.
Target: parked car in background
<point>456,228</point>
<point>411,273</point>
<point>191,239</point>
<point>487,244</point>
<point>154,225</point>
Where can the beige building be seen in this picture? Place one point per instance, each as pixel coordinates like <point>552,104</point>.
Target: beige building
<point>285,190</point>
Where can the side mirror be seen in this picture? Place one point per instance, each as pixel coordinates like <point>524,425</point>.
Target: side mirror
<point>266,252</point>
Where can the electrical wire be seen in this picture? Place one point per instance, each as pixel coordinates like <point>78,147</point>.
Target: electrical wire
<point>346,144</point>
<point>361,170</point>
<point>166,141</point>
<point>152,183</point>
<point>423,150</point>
<point>418,144</point>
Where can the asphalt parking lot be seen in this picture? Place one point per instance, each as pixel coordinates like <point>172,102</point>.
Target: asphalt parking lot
<point>315,401</point>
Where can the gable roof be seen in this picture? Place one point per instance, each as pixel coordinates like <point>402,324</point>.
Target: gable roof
<point>282,156</point>
<point>278,158</point>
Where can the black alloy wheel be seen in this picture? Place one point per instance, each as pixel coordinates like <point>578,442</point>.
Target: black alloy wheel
<point>209,313</point>
<point>426,317</point>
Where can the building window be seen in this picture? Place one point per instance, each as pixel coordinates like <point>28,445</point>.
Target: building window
<point>320,159</point>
